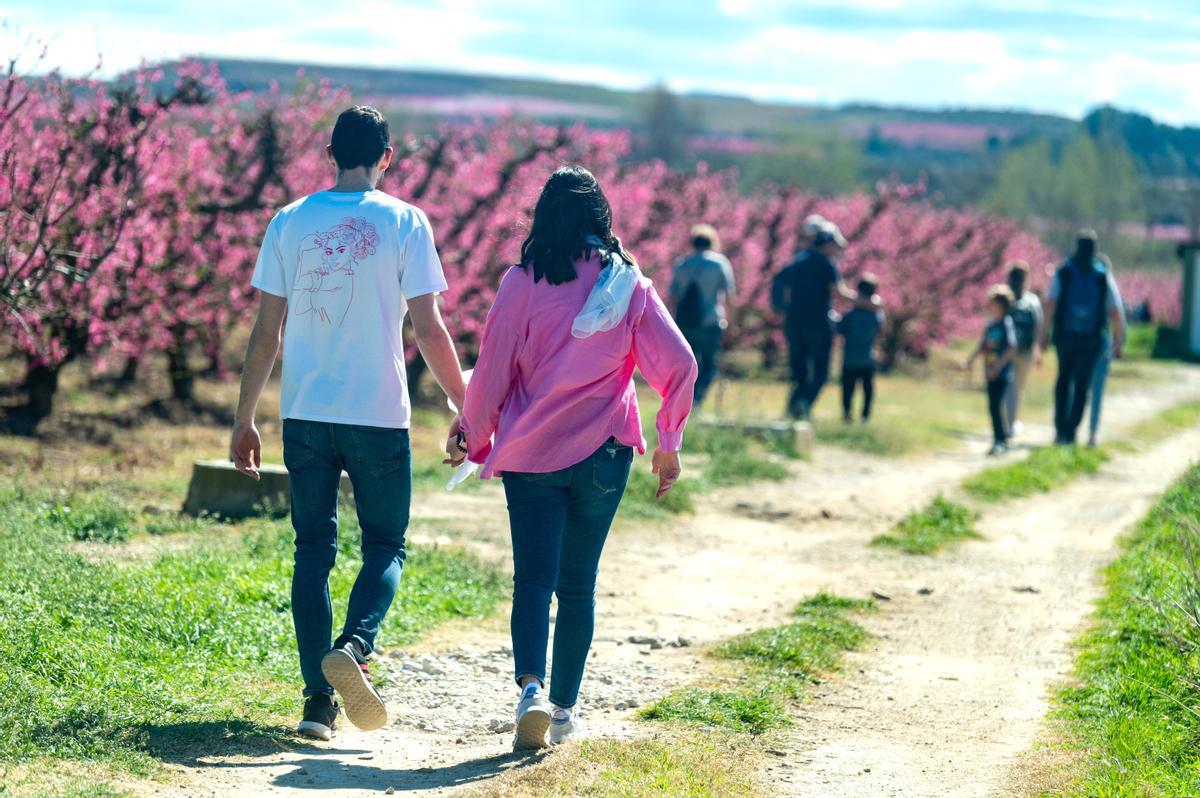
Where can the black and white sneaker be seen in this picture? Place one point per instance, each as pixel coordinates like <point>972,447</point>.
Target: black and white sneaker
<point>320,717</point>
<point>347,671</point>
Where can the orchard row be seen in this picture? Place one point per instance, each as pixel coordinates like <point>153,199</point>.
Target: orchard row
<point>130,218</point>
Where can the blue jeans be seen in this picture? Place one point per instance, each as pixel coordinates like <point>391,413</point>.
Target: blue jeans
<point>559,522</point>
<point>706,345</point>
<point>1099,378</point>
<point>1077,355</point>
<point>379,463</point>
<point>808,355</point>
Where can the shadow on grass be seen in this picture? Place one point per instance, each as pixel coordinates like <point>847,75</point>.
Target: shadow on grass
<point>184,743</point>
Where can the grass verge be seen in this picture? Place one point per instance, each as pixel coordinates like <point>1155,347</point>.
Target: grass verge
<point>1135,711</point>
<point>925,531</point>
<point>778,662</point>
<point>713,765</point>
<point>1160,427</point>
<point>158,659</point>
<point>1045,469</point>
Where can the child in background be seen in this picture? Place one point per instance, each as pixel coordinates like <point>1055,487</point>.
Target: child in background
<point>859,330</point>
<point>998,345</point>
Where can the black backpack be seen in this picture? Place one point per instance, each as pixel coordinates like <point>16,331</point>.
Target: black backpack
<point>690,312</point>
<point>1025,325</point>
<point>1077,312</point>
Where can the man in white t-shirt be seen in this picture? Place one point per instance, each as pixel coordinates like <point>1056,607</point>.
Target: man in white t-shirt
<point>345,266</point>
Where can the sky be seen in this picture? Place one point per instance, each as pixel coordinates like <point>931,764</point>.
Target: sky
<point>1057,56</point>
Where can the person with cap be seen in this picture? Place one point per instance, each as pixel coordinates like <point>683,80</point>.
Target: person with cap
<point>701,284</point>
<point>804,292</point>
<point>1084,308</point>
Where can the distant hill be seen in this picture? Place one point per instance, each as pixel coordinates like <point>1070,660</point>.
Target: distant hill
<point>956,150</point>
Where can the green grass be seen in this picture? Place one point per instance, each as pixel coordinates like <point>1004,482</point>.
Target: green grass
<point>888,440</point>
<point>925,531</point>
<point>129,663</point>
<point>726,709</point>
<point>712,765</point>
<point>1161,426</point>
<point>736,459</point>
<point>1134,713</point>
<point>89,516</point>
<point>1045,469</point>
<point>778,662</point>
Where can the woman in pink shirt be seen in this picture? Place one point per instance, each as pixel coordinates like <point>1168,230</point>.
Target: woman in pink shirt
<point>552,409</point>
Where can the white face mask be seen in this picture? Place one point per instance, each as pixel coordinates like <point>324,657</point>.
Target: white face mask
<point>609,299</point>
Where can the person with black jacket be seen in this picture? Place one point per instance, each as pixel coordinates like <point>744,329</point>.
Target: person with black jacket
<point>1084,314</point>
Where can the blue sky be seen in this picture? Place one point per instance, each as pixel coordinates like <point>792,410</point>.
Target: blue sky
<point>1061,56</point>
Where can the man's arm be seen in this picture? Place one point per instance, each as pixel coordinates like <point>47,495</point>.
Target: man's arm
<point>245,449</point>
<point>841,290</point>
<point>433,339</point>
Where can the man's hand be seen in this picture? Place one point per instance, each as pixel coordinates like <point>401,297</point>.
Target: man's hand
<point>454,455</point>
<point>1118,349</point>
<point>1038,354</point>
<point>245,449</point>
<point>667,467</point>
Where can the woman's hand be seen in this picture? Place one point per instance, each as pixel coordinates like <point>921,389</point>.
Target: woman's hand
<point>454,455</point>
<point>668,469</point>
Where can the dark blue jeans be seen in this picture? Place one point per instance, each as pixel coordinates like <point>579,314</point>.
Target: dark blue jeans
<point>560,521</point>
<point>706,345</point>
<point>379,463</point>
<point>1077,356</point>
<point>808,356</point>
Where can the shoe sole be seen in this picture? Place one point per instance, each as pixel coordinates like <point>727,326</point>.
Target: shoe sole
<point>531,730</point>
<point>317,731</point>
<point>362,705</point>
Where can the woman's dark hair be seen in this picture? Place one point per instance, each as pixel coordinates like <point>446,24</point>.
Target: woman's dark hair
<point>360,137</point>
<point>571,208</point>
<point>1085,248</point>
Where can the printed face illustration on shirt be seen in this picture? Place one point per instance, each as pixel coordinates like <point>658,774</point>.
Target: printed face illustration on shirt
<point>326,259</point>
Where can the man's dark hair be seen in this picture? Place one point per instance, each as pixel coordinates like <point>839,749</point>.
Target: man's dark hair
<point>360,137</point>
<point>1018,276</point>
<point>1085,248</point>
<point>701,242</point>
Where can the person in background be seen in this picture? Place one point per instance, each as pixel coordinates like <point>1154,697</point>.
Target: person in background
<point>860,329</point>
<point>804,292</point>
<point>344,398</point>
<point>998,345</point>
<point>1084,308</point>
<point>1028,323</point>
<point>554,386</point>
<point>1102,365</point>
<point>700,286</point>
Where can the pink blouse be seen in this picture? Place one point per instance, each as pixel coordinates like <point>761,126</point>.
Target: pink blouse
<point>551,399</point>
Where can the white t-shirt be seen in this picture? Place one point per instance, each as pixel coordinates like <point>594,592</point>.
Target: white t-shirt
<point>347,262</point>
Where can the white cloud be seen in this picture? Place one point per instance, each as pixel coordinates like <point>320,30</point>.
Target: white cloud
<point>1053,70</point>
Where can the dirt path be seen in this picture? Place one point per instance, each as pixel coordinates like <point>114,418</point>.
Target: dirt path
<point>952,689</point>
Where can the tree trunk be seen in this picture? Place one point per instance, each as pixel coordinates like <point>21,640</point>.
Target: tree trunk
<point>41,384</point>
<point>129,373</point>
<point>183,381</point>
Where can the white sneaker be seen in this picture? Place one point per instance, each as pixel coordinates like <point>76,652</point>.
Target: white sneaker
<point>565,726</point>
<point>533,718</point>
